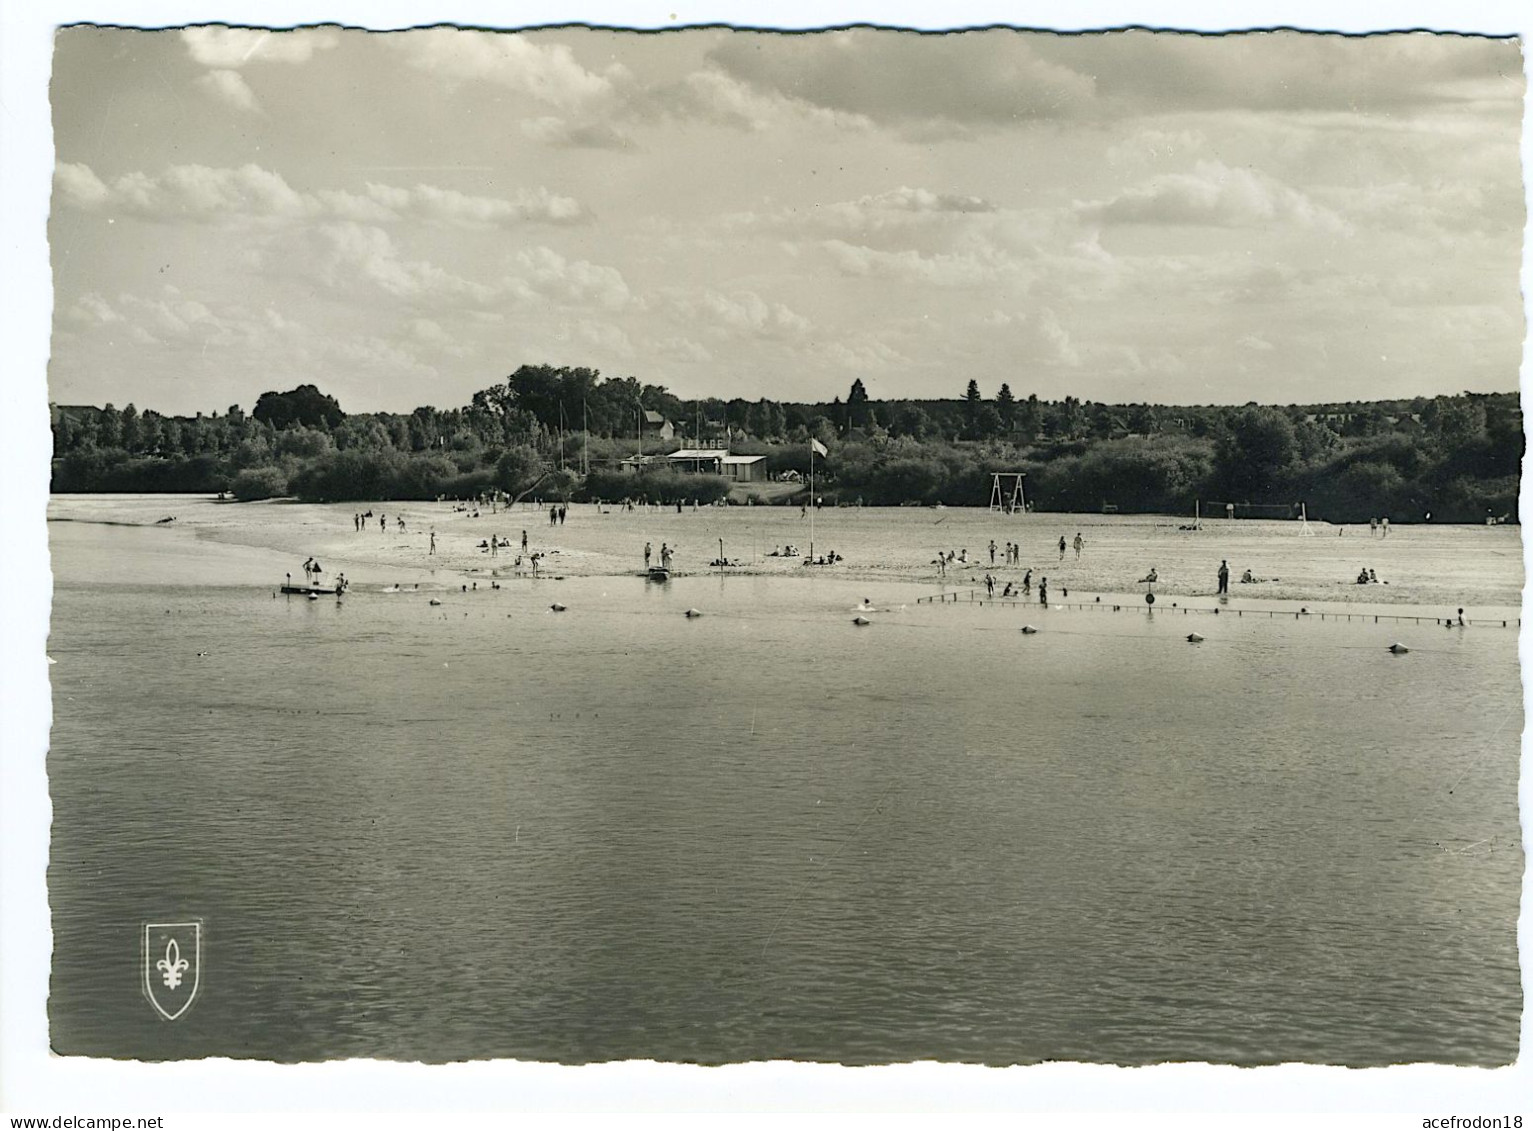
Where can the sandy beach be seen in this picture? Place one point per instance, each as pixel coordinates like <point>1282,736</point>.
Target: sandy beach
<point>1420,565</point>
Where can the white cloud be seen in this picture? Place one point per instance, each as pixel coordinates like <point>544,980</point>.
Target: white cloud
<point>226,47</point>
<point>714,96</point>
<point>93,310</point>
<point>171,318</point>
<point>230,86</point>
<point>1148,145</point>
<point>547,72</point>
<point>563,134</point>
<point>679,349</point>
<point>1214,194</point>
<point>80,186</point>
<point>910,266</point>
<point>200,192</point>
<point>360,253</point>
<point>993,77</point>
<point>738,313</point>
<point>1057,338</point>
<point>429,204</point>
<point>862,352</point>
<point>542,273</point>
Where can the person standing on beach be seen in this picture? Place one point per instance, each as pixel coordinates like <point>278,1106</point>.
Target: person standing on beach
<point>524,541</point>
<point>1384,526</point>
<point>1027,584</point>
<point>1061,547</point>
<point>1043,591</point>
<point>1373,527</point>
<point>494,545</point>
<point>433,542</point>
<point>992,551</point>
<point>647,551</point>
<point>1079,545</point>
<point>989,585</point>
<point>1224,577</point>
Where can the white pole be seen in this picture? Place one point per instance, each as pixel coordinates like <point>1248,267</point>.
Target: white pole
<point>811,500</point>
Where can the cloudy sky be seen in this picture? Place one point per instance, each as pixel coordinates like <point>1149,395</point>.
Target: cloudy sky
<point>404,218</point>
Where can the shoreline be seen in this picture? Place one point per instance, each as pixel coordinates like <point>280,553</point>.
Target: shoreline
<point>1428,565</point>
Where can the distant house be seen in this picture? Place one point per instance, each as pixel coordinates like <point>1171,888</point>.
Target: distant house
<point>659,425</point>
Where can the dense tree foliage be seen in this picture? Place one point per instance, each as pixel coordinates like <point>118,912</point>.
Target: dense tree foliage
<point>569,433</point>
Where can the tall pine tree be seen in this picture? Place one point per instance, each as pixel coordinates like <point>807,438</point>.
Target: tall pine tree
<point>971,403</point>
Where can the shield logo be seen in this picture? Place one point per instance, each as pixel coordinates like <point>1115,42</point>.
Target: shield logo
<point>172,966</point>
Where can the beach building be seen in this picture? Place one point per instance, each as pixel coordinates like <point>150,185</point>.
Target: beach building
<point>718,461</point>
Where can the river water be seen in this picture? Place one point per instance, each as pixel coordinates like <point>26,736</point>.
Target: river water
<point>488,829</point>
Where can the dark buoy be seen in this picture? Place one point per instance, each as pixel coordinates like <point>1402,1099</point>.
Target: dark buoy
<point>557,607</point>
<point>1028,630</point>
<point>1149,598</point>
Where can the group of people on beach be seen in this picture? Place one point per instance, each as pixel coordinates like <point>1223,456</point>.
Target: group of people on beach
<point>361,521</point>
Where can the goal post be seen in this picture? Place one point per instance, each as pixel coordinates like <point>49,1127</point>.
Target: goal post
<point>1249,510</point>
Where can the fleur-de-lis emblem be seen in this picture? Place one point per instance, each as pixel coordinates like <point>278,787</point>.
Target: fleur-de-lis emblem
<point>171,975</point>
<point>172,966</point>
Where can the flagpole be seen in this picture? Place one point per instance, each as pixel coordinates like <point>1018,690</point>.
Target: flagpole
<point>811,500</point>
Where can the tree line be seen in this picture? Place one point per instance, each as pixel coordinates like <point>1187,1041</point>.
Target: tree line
<point>566,433</point>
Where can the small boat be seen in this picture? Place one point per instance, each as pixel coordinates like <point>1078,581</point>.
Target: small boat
<point>658,573</point>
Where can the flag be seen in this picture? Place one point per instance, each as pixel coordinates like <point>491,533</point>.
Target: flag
<point>817,448</point>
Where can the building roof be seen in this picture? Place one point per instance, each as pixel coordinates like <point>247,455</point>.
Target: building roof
<point>699,453</point>
<point>743,459</point>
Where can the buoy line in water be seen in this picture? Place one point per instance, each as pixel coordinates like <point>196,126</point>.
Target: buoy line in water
<point>1302,613</point>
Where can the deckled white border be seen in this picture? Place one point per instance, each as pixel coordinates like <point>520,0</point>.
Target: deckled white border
<point>32,1081</point>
